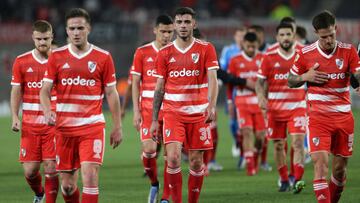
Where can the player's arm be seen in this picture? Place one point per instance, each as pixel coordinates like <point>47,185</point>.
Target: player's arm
<point>158,99</point>
<point>126,99</point>
<point>262,92</point>
<point>45,101</point>
<point>112,97</point>
<point>15,101</point>
<point>212,95</point>
<point>135,98</point>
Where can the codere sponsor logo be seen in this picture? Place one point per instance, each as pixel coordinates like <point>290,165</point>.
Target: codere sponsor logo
<point>34,84</point>
<point>78,81</point>
<point>184,73</point>
<point>280,76</point>
<point>150,72</point>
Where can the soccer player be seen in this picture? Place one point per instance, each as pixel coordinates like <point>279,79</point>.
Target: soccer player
<point>226,54</point>
<point>285,106</point>
<point>82,74</point>
<point>260,33</point>
<point>249,116</point>
<point>187,88</point>
<point>37,138</point>
<point>325,66</point>
<point>143,87</point>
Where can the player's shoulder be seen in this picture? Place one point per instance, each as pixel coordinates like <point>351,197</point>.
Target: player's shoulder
<point>24,55</point>
<point>271,53</point>
<point>309,48</point>
<point>343,45</point>
<point>145,46</point>
<point>100,50</point>
<point>273,46</point>
<point>167,47</point>
<point>203,43</point>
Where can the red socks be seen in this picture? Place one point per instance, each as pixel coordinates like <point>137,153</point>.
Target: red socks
<point>194,185</point>
<point>149,162</point>
<point>336,187</point>
<point>322,191</point>
<point>73,198</point>
<point>35,184</point>
<point>90,195</point>
<point>175,183</point>
<point>298,171</point>
<point>292,167</point>
<point>264,151</point>
<point>250,165</point>
<point>166,192</point>
<point>283,171</point>
<point>51,187</point>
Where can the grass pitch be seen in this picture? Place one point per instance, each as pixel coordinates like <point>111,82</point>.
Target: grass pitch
<point>121,175</point>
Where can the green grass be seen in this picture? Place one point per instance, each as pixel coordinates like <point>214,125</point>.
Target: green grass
<point>121,175</point>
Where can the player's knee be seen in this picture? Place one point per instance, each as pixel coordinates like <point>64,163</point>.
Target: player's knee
<point>246,132</point>
<point>298,144</point>
<point>49,167</point>
<point>279,145</point>
<point>30,173</point>
<point>321,168</point>
<point>196,163</point>
<point>68,188</point>
<point>173,159</point>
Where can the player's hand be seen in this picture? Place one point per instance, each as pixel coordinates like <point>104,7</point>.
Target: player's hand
<point>315,76</point>
<point>15,126</point>
<point>115,137</point>
<point>154,131</point>
<point>50,117</point>
<point>210,114</point>
<point>137,120</point>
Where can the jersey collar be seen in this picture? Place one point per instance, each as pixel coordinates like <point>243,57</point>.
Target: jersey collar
<point>323,53</point>
<point>183,51</point>
<point>285,57</point>
<point>37,59</point>
<point>80,56</point>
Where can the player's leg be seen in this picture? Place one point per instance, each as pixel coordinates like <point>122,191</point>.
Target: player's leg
<point>33,178</point>
<point>196,175</point>
<point>150,166</point>
<point>173,153</point>
<point>90,180</point>
<point>338,178</point>
<point>69,188</point>
<point>166,190</point>
<point>343,150</point>
<point>248,146</point>
<point>298,163</point>
<point>91,152</point>
<point>49,164</point>
<point>277,132</point>
<point>51,180</point>
<point>30,157</point>
<point>320,160</point>
<point>260,133</point>
<point>214,165</point>
<point>67,162</point>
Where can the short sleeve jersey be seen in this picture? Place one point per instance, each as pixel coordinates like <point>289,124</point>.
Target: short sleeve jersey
<point>80,82</point>
<point>282,100</point>
<point>144,65</point>
<point>28,72</point>
<point>185,73</point>
<point>332,97</point>
<point>246,67</point>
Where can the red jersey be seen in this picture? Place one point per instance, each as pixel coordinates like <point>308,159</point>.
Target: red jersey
<point>80,82</point>
<point>144,65</point>
<point>332,97</point>
<point>297,45</point>
<point>245,67</point>
<point>28,72</point>
<point>186,82</point>
<point>282,100</point>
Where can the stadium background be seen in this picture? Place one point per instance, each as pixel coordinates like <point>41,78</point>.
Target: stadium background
<point>120,26</point>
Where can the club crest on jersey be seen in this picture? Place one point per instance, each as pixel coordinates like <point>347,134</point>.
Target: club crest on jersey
<point>145,131</point>
<point>316,141</point>
<point>339,63</point>
<point>91,66</point>
<point>23,152</point>
<point>167,132</point>
<point>195,57</point>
